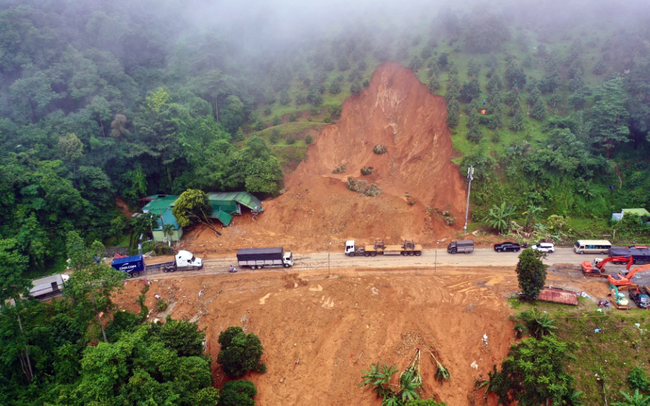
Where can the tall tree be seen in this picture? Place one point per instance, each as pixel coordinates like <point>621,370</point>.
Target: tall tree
<point>531,273</point>
<point>609,116</point>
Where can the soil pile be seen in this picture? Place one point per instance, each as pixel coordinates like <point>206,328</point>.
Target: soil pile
<point>337,326</point>
<point>417,178</point>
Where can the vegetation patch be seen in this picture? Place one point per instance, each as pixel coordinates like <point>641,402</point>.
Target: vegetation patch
<point>363,187</point>
<point>379,149</point>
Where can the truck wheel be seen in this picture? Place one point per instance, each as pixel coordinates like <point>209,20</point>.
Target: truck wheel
<point>165,270</point>
<point>412,253</point>
<point>133,274</point>
<point>172,270</point>
<point>418,253</point>
<point>581,252</point>
<point>367,254</point>
<point>287,265</point>
<point>352,254</point>
<point>517,250</point>
<point>373,254</point>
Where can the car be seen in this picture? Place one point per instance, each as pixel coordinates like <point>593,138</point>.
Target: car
<point>547,247</point>
<point>507,246</point>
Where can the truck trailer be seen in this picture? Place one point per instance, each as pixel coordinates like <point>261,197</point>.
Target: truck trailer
<point>640,255</point>
<point>136,264</point>
<point>407,248</point>
<point>461,247</point>
<point>258,258</point>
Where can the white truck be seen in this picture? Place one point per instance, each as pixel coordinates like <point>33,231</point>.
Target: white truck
<point>136,264</point>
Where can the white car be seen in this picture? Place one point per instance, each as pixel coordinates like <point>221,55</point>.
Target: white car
<point>544,247</point>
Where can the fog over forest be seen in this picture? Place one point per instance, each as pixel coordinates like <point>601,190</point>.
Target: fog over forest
<point>103,103</point>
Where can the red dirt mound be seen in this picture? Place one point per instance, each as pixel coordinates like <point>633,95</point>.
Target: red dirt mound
<point>398,112</point>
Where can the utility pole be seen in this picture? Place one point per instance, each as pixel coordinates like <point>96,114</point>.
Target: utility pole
<point>435,263</point>
<point>470,178</point>
<point>328,259</point>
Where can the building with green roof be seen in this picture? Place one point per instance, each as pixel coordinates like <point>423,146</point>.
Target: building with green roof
<point>162,205</point>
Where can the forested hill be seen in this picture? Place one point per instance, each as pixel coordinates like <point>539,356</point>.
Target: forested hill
<point>100,99</point>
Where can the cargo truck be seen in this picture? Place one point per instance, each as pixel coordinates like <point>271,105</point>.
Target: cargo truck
<point>407,248</point>
<point>136,264</point>
<point>461,247</point>
<point>640,254</point>
<point>258,258</point>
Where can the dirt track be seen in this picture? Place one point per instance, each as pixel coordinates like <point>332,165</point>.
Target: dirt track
<point>339,324</point>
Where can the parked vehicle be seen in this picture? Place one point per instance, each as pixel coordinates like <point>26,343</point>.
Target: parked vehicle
<point>547,247</point>
<point>48,287</point>
<point>640,297</point>
<point>258,258</point>
<point>592,246</point>
<point>136,264</point>
<point>407,248</point>
<point>597,269</point>
<point>620,301</point>
<point>461,247</point>
<point>507,246</point>
<point>640,254</point>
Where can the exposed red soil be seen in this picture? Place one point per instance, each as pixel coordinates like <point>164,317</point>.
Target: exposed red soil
<point>396,111</point>
<point>336,326</point>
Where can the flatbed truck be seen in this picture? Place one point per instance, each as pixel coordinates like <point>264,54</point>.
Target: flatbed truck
<point>258,258</point>
<point>136,264</point>
<point>379,247</point>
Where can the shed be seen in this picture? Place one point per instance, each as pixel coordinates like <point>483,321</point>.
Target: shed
<point>641,212</point>
<point>227,204</point>
<point>48,287</point>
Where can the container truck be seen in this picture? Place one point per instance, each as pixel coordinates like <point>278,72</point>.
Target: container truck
<point>136,264</point>
<point>407,248</point>
<point>461,247</point>
<point>258,258</point>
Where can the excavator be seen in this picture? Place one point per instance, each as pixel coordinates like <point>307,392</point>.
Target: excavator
<point>597,270</point>
<point>624,282</point>
<point>620,301</point>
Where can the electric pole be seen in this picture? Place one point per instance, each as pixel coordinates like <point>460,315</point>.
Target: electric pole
<point>470,178</point>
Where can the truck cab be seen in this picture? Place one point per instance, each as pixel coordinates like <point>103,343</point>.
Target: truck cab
<point>350,248</point>
<point>185,259</point>
<point>287,259</point>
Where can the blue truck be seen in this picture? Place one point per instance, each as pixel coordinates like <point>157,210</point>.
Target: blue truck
<point>640,254</point>
<point>136,264</point>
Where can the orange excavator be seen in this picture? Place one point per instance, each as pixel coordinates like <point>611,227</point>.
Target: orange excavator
<point>597,271</point>
<point>624,282</point>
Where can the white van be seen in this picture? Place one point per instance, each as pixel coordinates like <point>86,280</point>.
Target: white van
<point>592,247</point>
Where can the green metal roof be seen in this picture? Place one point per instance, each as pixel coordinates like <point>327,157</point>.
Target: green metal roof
<point>158,206</point>
<point>222,216</point>
<point>243,198</point>
<point>167,218</point>
<point>638,212</point>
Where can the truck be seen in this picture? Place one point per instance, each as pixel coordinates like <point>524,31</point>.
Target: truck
<point>640,254</point>
<point>640,297</point>
<point>48,287</point>
<point>258,258</point>
<point>379,247</point>
<point>136,264</point>
<point>461,246</point>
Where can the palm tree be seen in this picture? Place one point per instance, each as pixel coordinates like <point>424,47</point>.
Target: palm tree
<point>634,400</point>
<point>499,217</point>
<point>168,230</point>
<point>539,324</point>
<point>531,213</point>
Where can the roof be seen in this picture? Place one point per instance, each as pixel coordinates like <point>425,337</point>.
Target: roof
<point>159,205</point>
<point>43,286</point>
<point>558,296</point>
<point>167,218</point>
<point>638,212</point>
<point>250,251</point>
<point>124,260</point>
<point>243,198</point>
<point>222,216</point>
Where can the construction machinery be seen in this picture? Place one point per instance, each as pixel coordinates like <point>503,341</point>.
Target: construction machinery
<point>620,301</point>
<point>597,269</point>
<point>624,281</point>
<point>407,248</point>
<point>640,297</point>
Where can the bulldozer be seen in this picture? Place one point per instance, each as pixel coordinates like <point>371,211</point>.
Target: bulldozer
<point>620,301</point>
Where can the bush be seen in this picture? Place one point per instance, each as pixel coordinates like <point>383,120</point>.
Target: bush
<point>339,169</point>
<point>293,118</point>
<point>239,353</point>
<point>366,170</point>
<point>259,125</point>
<point>309,140</point>
<point>277,120</point>
<point>161,306</point>
<point>238,393</point>
<point>290,140</point>
<point>379,149</point>
<point>275,136</point>
<point>356,87</point>
<point>267,111</point>
<point>363,187</point>
<point>335,87</point>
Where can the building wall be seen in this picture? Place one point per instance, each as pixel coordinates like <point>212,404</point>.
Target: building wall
<point>176,235</point>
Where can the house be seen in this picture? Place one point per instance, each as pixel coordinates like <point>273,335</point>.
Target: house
<point>162,205</point>
<point>643,213</point>
<point>225,205</point>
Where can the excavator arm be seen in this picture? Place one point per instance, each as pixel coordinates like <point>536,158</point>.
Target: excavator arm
<point>602,263</point>
<point>637,269</point>
<point>621,280</point>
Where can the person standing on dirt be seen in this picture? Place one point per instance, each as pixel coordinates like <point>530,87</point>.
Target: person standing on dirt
<point>232,269</point>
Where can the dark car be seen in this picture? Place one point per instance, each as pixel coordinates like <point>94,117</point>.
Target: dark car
<point>507,246</point>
